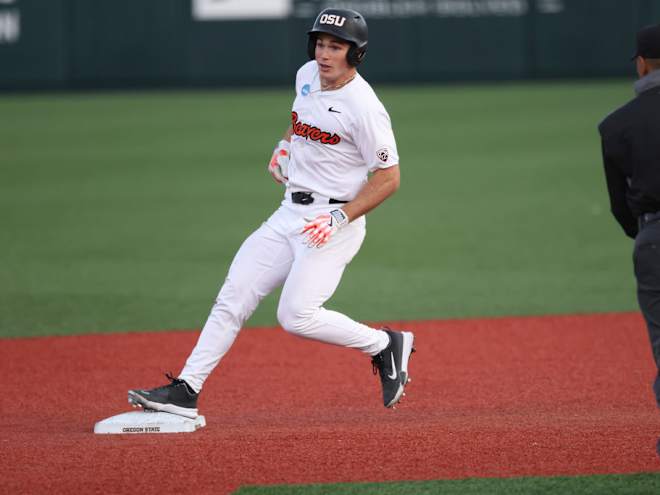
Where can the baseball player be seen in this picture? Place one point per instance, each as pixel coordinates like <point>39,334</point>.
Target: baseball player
<point>337,160</point>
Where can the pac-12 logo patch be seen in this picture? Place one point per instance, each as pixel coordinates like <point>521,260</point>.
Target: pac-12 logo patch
<point>305,90</point>
<point>383,154</point>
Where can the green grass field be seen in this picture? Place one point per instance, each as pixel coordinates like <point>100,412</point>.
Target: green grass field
<point>122,211</point>
<point>636,484</point>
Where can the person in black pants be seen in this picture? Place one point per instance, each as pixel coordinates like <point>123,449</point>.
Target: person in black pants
<point>630,138</point>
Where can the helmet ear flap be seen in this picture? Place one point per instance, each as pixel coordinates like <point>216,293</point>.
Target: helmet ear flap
<point>355,55</point>
<point>311,46</point>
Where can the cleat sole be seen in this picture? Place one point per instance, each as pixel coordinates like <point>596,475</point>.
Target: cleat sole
<point>139,401</point>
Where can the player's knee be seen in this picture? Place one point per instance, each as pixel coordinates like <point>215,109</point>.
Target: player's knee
<point>234,304</point>
<point>292,318</point>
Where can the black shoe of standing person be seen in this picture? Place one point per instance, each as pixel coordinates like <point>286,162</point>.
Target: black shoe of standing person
<point>392,365</point>
<point>176,398</point>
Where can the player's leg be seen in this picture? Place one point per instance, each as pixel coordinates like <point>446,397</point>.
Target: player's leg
<point>260,265</point>
<point>647,271</point>
<point>314,277</point>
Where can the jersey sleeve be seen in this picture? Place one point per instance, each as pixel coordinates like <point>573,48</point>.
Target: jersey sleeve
<point>375,138</point>
<point>298,81</point>
<point>304,75</point>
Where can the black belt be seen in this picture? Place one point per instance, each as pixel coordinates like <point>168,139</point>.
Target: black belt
<point>306,198</point>
<point>646,218</point>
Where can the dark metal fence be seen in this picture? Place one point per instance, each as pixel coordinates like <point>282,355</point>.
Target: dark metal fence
<point>186,43</point>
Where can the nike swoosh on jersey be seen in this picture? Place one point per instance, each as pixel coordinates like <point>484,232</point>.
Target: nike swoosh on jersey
<point>333,110</point>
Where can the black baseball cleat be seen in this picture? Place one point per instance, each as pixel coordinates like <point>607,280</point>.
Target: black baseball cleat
<point>392,365</point>
<point>176,398</point>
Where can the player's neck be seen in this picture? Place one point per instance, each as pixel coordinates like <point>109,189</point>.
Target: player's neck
<point>340,82</point>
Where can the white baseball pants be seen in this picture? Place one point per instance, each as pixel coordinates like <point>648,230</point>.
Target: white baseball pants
<point>272,256</point>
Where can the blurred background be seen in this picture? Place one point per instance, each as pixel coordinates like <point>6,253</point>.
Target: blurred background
<point>134,137</point>
<point>188,43</point>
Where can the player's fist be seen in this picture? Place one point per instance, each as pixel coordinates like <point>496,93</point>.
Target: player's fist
<point>279,162</point>
<point>319,230</point>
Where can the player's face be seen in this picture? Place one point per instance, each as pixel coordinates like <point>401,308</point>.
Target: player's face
<point>330,55</point>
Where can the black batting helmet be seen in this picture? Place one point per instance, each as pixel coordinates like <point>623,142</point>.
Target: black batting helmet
<point>345,24</point>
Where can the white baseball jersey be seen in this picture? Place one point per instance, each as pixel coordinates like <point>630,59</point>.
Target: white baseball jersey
<point>338,136</point>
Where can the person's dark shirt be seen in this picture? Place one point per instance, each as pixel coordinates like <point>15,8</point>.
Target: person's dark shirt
<point>630,138</point>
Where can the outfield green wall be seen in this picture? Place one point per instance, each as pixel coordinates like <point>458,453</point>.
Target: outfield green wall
<point>147,43</point>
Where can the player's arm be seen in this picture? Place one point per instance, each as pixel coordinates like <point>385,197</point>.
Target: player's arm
<point>381,185</point>
<point>374,128</point>
<point>279,162</point>
<point>288,133</point>
<point>617,187</point>
<point>376,143</point>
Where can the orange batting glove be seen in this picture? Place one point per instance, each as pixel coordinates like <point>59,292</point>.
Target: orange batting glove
<point>320,229</point>
<point>279,162</point>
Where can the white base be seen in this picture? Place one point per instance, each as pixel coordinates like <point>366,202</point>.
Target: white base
<point>148,422</point>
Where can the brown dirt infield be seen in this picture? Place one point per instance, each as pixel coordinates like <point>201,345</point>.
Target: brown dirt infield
<point>500,397</point>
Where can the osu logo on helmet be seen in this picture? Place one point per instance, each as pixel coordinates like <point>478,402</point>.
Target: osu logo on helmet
<point>332,19</point>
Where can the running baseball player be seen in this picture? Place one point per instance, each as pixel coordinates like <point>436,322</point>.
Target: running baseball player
<point>337,160</point>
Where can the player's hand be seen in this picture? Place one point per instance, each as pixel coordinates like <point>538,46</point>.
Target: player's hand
<point>319,230</point>
<point>279,162</point>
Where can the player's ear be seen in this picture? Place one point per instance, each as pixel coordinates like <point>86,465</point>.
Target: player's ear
<point>642,66</point>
